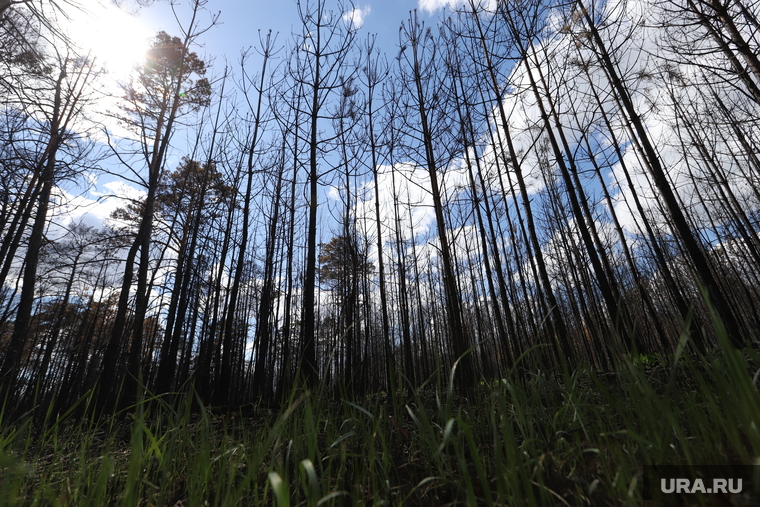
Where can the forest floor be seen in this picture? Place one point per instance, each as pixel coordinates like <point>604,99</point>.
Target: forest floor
<point>577,438</point>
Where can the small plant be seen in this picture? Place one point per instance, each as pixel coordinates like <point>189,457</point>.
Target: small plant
<point>647,361</point>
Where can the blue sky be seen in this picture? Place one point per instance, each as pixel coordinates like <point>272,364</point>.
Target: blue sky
<point>238,28</point>
<point>120,38</point>
<point>241,20</point>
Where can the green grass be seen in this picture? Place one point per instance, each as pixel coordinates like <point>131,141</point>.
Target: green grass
<point>570,439</point>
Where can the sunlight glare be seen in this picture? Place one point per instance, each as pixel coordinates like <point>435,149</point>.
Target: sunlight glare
<point>117,39</point>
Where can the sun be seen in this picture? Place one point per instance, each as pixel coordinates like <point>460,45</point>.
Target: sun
<point>117,40</point>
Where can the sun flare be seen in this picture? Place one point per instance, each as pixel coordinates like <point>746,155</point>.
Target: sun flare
<point>117,40</point>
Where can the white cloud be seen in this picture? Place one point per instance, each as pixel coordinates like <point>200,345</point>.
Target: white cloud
<point>93,208</point>
<point>406,189</point>
<point>357,16</point>
<point>430,6</point>
<point>664,88</point>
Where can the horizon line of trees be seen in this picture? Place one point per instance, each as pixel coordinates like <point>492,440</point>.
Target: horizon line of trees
<point>527,184</point>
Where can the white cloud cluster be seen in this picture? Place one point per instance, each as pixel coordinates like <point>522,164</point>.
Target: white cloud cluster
<point>406,202</point>
<point>668,93</point>
<point>431,6</point>
<point>93,208</point>
<point>355,17</point>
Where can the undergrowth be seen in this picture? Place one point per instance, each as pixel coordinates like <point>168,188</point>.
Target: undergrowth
<point>573,438</point>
